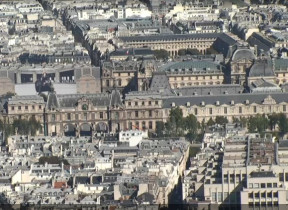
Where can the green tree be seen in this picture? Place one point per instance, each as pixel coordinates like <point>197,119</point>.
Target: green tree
<point>283,124</point>
<point>210,122</point>
<point>193,51</point>
<point>182,52</point>
<point>26,127</point>
<point>161,54</point>
<point>176,121</point>
<point>221,120</point>
<point>160,128</point>
<point>34,126</point>
<point>273,120</point>
<point>259,123</point>
<point>191,125</point>
<point>211,51</point>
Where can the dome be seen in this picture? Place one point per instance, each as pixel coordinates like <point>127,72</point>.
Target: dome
<point>241,54</point>
<point>262,69</point>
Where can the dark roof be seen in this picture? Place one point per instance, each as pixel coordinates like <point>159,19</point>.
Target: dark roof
<point>224,99</point>
<point>210,89</point>
<point>160,82</point>
<point>116,98</point>
<point>71,100</point>
<point>283,143</point>
<point>261,68</point>
<point>241,54</point>
<point>256,174</point>
<point>172,37</point>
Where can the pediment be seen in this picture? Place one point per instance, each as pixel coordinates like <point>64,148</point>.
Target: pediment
<point>269,100</point>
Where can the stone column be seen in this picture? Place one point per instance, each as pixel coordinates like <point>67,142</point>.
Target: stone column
<point>57,77</point>
<point>34,77</point>
<point>18,78</point>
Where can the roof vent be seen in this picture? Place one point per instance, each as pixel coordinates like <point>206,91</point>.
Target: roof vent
<point>247,102</point>
<point>195,93</point>
<point>217,103</point>
<point>188,104</point>
<point>210,93</point>
<point>173,104</point>
<point>203,103</point>
<point>232,102</point>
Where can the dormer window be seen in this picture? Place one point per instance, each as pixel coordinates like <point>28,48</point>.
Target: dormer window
<point>84,107</point>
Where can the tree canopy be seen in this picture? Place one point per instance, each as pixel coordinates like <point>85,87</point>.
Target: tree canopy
<point>161,54</point>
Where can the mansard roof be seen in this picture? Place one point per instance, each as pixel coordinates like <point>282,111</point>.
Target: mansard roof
<point>225,99</point>
<point>101,99</point>
<point>193,66</point>
<point>25,99</point>
<point>174,37</point>
<point>262,68</point>
<point>241,54</point>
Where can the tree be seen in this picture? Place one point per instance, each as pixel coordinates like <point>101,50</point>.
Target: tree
<point>191,125</point>
<point>34,126</point>
<point>273,120</point>
<point>193,51</point>
<point>160,128</point>
<point>161,54</point>
<point>283,124</point>
<point>211,51</point>
<point>182,52</point>
<point>221,120</point>
<point>26,127</point>
<point>259,123</point>
<point>176,121</point>
<point>210,122</point>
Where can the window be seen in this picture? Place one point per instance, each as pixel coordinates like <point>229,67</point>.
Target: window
<point>12,108</point>
<point>281,177</point>
<point>263,185</point>
<point>214,196</point>
<point>263,195</point>
<point>150,103</point>
<point>119,82</point>
<point>275,185</point>
<point>129,103</point>
<point>136,103</point>
<point>269,185</point>
<point>137,125</point>
<point>284,108</point>
<point>68,116</point>
<point>107,83</point>
<point>195,111</point>
<point>210,111</point>
<point>255,109</point>
<point>130,125</point>
<point>85,116</point>
<point>143,125</point>
<point>150,125</point>
<point>156,102</point>
<point>136,114</point>
<point>240,110</point>
<point>257,195</point>
<point>225,178</point>
<point>225,110</point>
<point>143,103</point>
<point>117,115</point>
<point>19,107</point>
<point>101,115</point>
<point>33,107</point>
<point>40,107</point>
<point>150,113</point>
<point>275,194</point>
<point>256,185</point>
<point>250,195</point>
<point>53,117</point>
<point>220,197</point>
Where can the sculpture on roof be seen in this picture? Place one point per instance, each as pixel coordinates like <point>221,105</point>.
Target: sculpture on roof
<point>43,84</point>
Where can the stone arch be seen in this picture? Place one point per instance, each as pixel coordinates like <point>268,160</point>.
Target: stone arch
<point>85,129</point>
<point>101,127</point>
<point>69,130</point>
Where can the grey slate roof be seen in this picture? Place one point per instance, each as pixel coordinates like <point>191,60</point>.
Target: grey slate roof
<point>174,37</point>
<point>160,81</point>
<point>224,99</point>
<point>262,68</point>
<point>240,54</point>
<point>210,90</point>
<point>96,99</point>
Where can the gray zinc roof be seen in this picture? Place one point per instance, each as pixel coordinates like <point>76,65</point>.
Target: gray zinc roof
<point>224,99</point>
